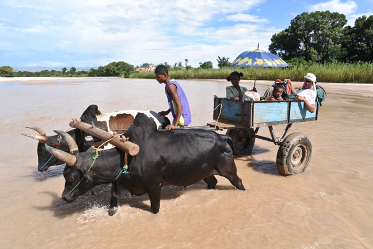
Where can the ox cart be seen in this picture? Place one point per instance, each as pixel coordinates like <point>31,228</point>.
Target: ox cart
<point>243,120</point>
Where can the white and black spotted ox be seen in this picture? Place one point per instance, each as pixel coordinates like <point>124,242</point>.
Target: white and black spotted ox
<point>117,121</point>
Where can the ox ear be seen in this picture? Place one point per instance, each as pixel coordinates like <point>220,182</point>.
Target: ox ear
<point>86,175</point>
<point>88,178</point>
<point>83,167</point>
<point>55,145</point>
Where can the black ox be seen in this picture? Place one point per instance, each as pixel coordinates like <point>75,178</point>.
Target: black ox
<point>167,157</point>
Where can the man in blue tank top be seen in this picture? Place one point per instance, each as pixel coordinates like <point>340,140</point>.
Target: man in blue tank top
<point>177,100</point>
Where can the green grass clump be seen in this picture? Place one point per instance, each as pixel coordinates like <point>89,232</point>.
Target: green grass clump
<point>331,72</point>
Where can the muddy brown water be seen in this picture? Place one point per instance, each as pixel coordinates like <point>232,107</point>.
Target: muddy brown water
<point>327,206</point>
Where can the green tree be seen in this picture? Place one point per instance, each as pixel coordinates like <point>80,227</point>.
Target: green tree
<point>93,72</point>
<point>315,36</point>
<point>297,61</point>
<point>206,65</point>
<point>6,71</point>
<point>101,71</point>
<point>223,62</point>
<point>357,44</point>
<point>118,68</point>
<point>186,62</point>
<point>73,70</point>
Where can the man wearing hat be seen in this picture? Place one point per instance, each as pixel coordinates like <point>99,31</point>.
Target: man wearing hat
<point>308,92</point>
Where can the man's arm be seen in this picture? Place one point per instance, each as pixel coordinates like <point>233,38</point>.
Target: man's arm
<point>172,90</point>
<point>309,107</point>
<point>292,90</point>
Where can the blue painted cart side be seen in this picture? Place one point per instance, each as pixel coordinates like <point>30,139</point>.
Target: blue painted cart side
<point>244,119</point>
<point>261,113</point>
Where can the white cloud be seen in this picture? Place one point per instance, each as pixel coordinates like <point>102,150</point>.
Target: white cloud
<point>237,31</point>
<point>346,8</point>
<point>138,31</point>
<point>246,18</point>
<point>30,5</point>
<point>49,64</point>
<point>39,29</point>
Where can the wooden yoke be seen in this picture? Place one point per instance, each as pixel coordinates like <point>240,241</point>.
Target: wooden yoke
<point>126,146</point>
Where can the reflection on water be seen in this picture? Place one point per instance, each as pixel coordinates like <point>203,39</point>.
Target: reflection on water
<point>329,205</point>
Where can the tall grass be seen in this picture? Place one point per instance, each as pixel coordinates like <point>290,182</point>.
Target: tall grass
<point>332,72</point>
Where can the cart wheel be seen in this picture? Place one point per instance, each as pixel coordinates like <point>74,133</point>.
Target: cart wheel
<point>242,143</point>
<point>294,154</point>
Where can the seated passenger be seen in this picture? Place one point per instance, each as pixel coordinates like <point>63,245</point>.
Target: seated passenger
<point>286,85</point>
<point>235,91</point>
<point>308,92</point>
<point>277,93</point>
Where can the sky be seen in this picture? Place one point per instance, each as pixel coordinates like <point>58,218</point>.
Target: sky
<point>92,33</point>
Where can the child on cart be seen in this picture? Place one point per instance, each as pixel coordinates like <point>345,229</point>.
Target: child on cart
<point>285,85</point>
<point>277,93</point>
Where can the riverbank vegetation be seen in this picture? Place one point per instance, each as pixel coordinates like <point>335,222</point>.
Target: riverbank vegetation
<point>328,72</point>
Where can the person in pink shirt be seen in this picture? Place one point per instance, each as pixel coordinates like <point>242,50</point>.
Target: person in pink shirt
<point>277,93</point>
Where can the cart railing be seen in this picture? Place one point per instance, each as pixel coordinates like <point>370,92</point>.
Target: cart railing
<point>253,114</point>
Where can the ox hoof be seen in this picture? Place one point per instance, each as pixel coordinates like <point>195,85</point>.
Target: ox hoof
<point>112,211</point>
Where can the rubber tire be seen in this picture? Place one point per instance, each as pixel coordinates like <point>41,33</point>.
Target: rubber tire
<point>294,154</point>
<point>242,144</point>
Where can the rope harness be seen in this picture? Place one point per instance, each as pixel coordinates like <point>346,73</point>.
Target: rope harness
<point>59,141</point>
<point>216,123</point>
<point>124,170</point>
<point>125,167</point>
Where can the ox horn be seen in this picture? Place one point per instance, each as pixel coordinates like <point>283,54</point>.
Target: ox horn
<point>69,140</point>
<point>62,155</point>
<point>41,138</point>
<point>38,130</point>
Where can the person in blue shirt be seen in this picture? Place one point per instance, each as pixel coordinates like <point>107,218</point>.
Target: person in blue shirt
<point>177,100</point>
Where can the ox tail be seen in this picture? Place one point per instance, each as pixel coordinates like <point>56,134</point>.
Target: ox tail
<point>228,140</point>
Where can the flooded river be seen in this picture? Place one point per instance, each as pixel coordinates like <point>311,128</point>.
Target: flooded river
<point>330,205</point>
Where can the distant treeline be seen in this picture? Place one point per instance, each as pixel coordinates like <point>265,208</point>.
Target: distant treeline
<point>120,68</point>
<point>326,72</point>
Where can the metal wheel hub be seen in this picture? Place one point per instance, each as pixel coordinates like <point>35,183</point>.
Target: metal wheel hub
<point>298,155</point>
